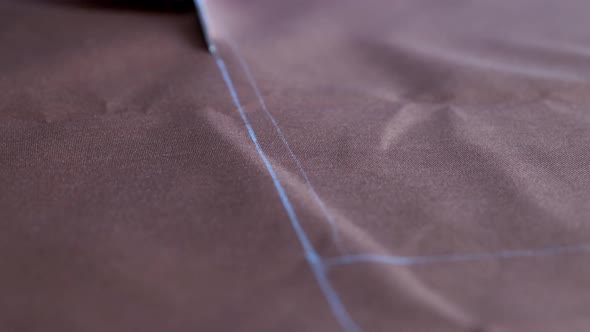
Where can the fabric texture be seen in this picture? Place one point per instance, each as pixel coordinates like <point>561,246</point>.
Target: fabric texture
<point>377,165</point>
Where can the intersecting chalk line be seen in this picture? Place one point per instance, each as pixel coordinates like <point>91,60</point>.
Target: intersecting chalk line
<point>312,257</point>
<point>316,197</point>
<point>455,258</point>
<point>393,259</point>
<point>319,265</point>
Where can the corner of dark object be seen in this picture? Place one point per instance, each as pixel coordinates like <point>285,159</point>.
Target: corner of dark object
<point>171,6</point>
<point>164,6</point>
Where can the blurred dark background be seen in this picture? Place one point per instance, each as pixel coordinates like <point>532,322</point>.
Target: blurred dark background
<point>144,5</point>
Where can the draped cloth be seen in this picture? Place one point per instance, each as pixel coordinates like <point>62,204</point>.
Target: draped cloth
<point>376,165</point>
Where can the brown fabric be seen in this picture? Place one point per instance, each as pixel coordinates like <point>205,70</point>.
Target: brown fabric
<point>435,154</point>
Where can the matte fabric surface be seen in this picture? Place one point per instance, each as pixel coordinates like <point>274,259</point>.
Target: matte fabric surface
<point>375,165</point>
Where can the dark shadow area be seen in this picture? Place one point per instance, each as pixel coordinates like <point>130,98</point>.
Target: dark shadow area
<point>193,31</point>
<point>171,6</point>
